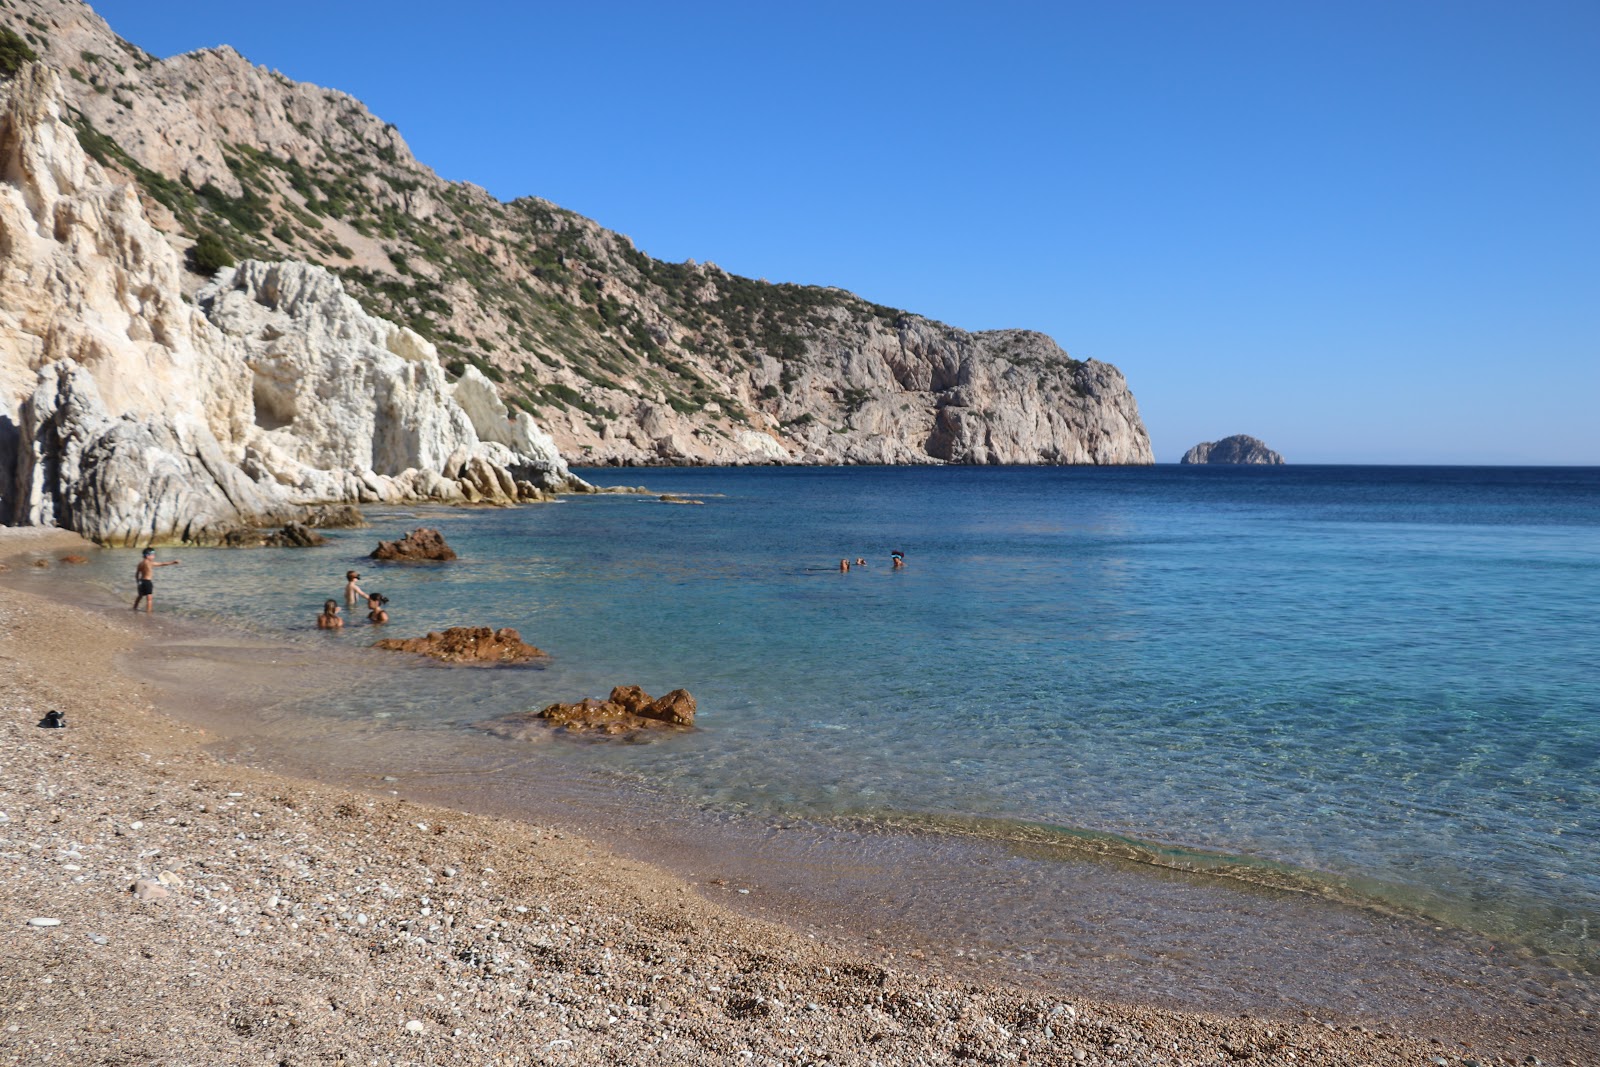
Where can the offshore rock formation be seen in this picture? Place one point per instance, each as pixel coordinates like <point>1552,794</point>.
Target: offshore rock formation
<point>1240,448</point>
<point>129,415</point>
<point>623,358</point>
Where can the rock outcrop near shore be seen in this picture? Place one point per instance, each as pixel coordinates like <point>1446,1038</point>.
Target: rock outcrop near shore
<point>1238,449</point>
<point>468,644</point>
<point>130,415</point>
<point>420,545</point>
<point>623,358</point>
<point>627,712</point>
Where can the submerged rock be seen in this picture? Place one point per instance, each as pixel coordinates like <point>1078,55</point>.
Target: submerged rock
<point>419,544</point>
<point>627,712</point>
<point>292,535</point>
<point>1240,448</point>
<point>336,517</point>
<point>468,644</point>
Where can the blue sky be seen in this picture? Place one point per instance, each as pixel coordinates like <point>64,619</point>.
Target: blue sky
<point>1364,232</point>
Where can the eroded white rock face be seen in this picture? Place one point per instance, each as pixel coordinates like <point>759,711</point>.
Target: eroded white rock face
<point>335,389</point>
<point>129,415</point>
<point>123,480</point>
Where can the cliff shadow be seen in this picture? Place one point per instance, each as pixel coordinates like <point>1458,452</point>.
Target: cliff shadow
<point>10,442</point>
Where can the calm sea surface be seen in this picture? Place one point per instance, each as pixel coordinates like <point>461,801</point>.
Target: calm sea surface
<point>1381,681</point>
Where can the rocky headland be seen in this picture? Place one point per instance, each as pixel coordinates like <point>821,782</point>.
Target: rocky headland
<point>1240,448</point>
<point>622,358</point>
<point>130,414</point>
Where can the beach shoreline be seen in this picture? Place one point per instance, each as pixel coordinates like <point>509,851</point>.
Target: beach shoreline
<point>320,944</point>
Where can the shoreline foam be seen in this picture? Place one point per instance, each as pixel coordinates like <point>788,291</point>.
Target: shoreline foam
<point>108,756</point>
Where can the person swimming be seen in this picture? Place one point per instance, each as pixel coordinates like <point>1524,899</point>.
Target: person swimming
<point>352,587</point>
<point>899,559</point>
<point>861,561</point>
<point>329,619</point>
<point>844,566</point>
<point>375,613</point>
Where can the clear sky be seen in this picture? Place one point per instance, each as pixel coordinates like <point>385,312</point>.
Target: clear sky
<point>1366,232</point>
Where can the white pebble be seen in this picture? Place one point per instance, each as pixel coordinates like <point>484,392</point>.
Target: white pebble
<point>746,892</point>
<point>42,921</point>
<point>415,1026</point>
<point>136,825</point>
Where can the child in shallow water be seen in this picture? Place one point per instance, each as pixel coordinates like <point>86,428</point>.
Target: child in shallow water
<point>375,612</point>
<point>352,587</point>
<point>329,619</point>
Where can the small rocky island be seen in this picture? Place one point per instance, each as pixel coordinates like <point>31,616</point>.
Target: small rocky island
<point>1240,448</point>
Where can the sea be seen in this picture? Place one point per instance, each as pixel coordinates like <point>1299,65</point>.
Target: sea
<point>1376,684</point>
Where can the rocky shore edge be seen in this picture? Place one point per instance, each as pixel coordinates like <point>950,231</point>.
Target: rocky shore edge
<point>302,923</point>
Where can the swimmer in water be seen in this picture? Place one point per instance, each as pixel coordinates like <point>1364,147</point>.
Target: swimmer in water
<point>861,562</point>
<point>351,588</point>
<point>899,559</point>
<point>375,613</point>
<point>329,619</point>
<point>844,566</point>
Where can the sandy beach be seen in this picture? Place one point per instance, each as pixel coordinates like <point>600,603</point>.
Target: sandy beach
<point>163,905</point>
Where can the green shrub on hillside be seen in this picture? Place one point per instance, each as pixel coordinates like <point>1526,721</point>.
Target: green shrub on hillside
<point>210,254</point>
<point>14,52</point>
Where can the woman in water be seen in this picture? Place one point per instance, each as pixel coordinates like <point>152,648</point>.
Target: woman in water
<point>329,619</point>
<point>375,613</point>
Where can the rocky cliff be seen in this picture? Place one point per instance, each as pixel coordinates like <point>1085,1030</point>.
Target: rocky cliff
<point>1240,448</point>
<point>621,357</point>
<point>129,414</point>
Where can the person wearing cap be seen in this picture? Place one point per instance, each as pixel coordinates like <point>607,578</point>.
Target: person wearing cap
<point>352,589</point>
<point>144,576</point>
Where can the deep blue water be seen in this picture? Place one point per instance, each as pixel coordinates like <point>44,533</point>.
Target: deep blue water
<point>1383,677</point>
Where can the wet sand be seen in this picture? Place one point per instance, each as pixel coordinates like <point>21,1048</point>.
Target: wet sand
<point>852,944</point>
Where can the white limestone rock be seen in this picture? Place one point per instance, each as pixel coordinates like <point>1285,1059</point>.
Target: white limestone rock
<point>127,480</point>
<point>337,389</point>
<point>128,415</point>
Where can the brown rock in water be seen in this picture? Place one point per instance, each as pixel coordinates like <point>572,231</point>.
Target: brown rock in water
<point>632,699</point>
<point>419,544</point>
<point>467,644</point>
<point>331,516</point>
<point>677,708</point>
<point>627,713</point>
<point>74,559</point>
<point>41,563</point>
<point>293,535</point>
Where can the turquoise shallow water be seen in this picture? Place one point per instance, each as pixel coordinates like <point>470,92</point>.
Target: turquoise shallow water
<point>1380,679</point>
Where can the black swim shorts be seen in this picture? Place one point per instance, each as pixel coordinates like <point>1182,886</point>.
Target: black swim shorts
<point>146,587</point>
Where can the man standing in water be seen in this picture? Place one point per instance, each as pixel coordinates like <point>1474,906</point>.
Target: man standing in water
<point>145,576</point>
